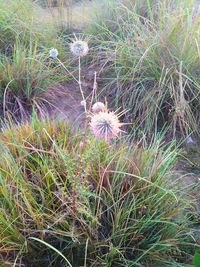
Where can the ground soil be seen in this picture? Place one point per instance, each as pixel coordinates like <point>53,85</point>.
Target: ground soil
<point>64,100</point>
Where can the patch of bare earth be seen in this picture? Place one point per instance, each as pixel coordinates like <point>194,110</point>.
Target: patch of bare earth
<point>63,102</point>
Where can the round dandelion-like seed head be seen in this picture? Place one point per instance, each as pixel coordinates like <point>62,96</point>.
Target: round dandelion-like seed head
<point>105,125</point>
<point>53,53</point>
<point>98,107</point>
<point>79,48</point>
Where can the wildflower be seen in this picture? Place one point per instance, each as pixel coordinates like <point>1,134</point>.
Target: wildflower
<point>105,125</point>
<point>98,107</point>
<point>53,53</point>
<point>79,48</point>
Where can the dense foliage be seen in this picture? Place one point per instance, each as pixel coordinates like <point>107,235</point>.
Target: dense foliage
<point>105,205</point>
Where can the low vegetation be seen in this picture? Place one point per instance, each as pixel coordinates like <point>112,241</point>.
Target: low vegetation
<point>99,204</point>
<point>25,68</point>
<point>115,192</point>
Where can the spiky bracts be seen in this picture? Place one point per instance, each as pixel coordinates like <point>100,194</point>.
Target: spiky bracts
<point>105,125</point>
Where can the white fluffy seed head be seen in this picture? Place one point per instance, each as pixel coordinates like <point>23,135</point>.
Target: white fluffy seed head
<point>79,48</point>
<point>105,125</point>
<point>53,53</point>
<point>98,107</point>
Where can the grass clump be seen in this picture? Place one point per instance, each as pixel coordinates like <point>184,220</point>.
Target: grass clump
<point>98,204</point>
<point>24,78</point>
<point>153,47</point>
<point>26,71</point>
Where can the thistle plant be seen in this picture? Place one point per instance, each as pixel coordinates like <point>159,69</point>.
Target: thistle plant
<point>78,48</point>
<point>53,53</point>
<point>104,124</point>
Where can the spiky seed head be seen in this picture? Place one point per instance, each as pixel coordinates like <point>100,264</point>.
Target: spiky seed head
<point>105,125</point>
<point>53,53</point>
<point>98,107</point>
<point>79,48</point>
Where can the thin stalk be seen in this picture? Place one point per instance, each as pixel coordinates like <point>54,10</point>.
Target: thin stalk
<point>80,83</point>
<point>94,90</point>
<point>60,62</point>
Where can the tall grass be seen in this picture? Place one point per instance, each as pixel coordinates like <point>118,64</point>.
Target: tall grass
<point>97,204</point>
<point>24,78</point>
<point>19,20</point>
<point>153,48</point>
<point>25,69</point>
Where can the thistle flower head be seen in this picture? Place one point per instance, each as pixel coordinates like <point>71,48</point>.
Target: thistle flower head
<point>79,48</point>
<point>53,53</point>
<point>105,125</point>
<point>98,107</point>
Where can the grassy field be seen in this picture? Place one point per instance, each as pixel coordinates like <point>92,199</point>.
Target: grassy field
<point>72,15</point>
<point>99,139</point>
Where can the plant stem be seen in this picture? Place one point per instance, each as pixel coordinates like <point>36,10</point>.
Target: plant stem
<point>60,62</point>
<point>80,83</point>
<point>94,90</point>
